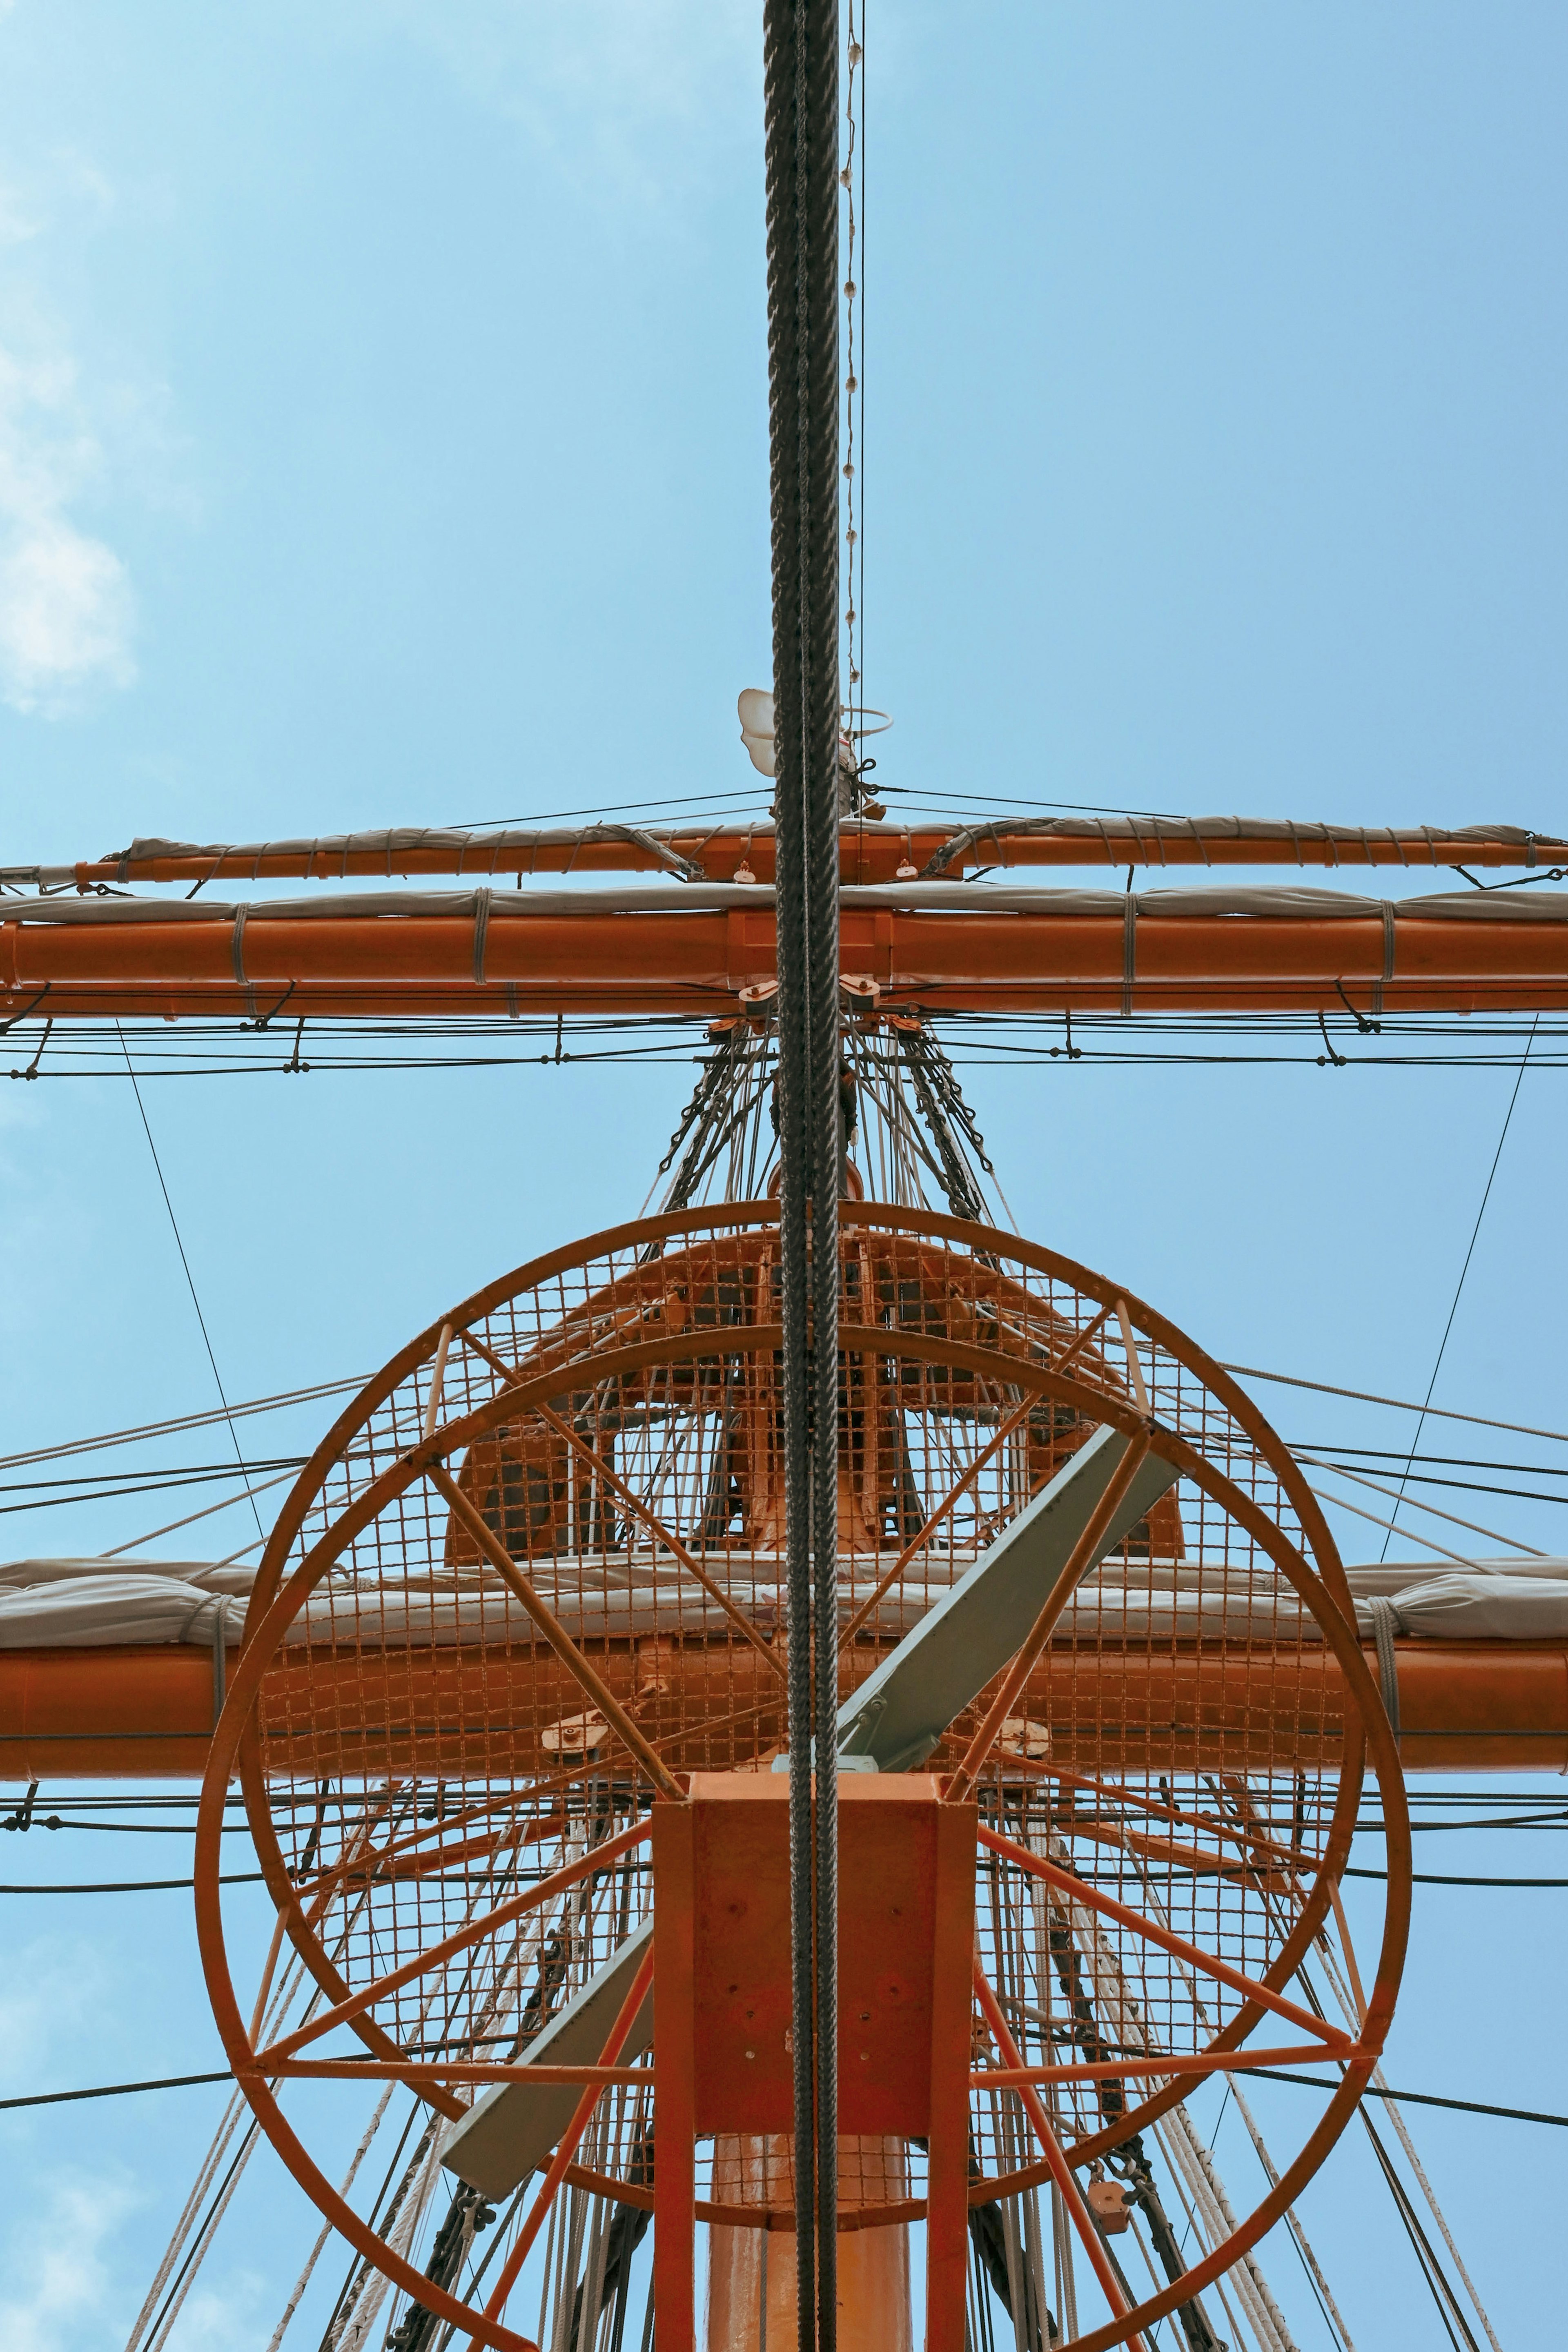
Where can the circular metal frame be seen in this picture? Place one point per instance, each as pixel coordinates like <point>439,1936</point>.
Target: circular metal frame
<point>276,1603</point>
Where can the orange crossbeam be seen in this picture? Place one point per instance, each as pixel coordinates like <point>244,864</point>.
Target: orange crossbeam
<point>1480,1707</point>
<point>869,852</point>
<point>665,951</point>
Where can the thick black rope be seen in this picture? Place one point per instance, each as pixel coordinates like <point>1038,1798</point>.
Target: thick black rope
<point>800,80</point>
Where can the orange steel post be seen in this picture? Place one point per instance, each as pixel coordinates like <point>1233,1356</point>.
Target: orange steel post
<point>675,2068</point>
<point>906,1943</point>
<point>752,2270</point>
<point>947,2173</point>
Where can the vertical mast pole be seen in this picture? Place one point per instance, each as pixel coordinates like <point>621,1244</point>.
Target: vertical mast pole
<point>801,101</point>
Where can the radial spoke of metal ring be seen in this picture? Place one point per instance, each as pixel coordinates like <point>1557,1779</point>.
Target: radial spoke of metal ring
<point>1160,2065</point>
<point>950,1500</point>
<point>1209,1963</point>
<point>655,1526</point>
<point>1051,2148</point>
<point>555,1633</point>
<point>516,1908</point>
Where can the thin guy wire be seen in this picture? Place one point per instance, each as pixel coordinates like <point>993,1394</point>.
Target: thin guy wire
<point>1464,1270</point>
<point>190,1283</point>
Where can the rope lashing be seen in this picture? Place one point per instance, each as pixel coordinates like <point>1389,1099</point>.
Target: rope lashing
<point>1385,1624</point>
<point>481,932</point>
<point>1378,986</point>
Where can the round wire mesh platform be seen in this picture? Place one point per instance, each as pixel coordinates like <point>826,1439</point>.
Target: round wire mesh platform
<point>581,1468</point>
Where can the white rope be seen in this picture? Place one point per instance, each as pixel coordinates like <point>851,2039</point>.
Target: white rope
<point>207,2174</point>
<point>371,2284</point>
<point>208,2232</point>
<point>1303,2245</point>
<point>355,2325</point>
<point>1061,2250</point>
<point>360,2152</point>
<point>184,1420</point>
<point>277,2011</point>
<point>1342,1503</point>
<point>1193,2159</point>
<point>228,1504</point>
<point>1395,1404</point>
<point>1114,1994</point>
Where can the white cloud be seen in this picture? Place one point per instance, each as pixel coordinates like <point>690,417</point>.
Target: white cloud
<point>625,96</point>
<point>68,432</point>
<point>72,2275</point>
<point>67,614</point>
<point>18,225</point>
<point>56,1986</point>
<point>225,2317</point>
<point>56,2278</point>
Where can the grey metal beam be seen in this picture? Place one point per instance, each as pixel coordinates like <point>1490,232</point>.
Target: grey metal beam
<point>897,1716</point>
<point>511,2131</point>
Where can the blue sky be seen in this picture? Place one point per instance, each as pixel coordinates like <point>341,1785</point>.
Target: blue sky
<point>382,439</point>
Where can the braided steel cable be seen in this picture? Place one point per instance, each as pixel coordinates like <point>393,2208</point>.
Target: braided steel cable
<point>801,90</point>
<point>821,699</point>
<point>779,89</point>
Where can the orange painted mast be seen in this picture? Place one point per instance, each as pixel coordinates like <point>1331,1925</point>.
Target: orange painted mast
<point>871,850</point>
<point>938,949</point>
<point>133,1713</point>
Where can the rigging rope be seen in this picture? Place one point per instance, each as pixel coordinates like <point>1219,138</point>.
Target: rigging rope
<point>1263,2075</point>
<point>182,1422</point>
<point>1432,2272</point>
<point>1343,1995</point>
<point>136,1886</point>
